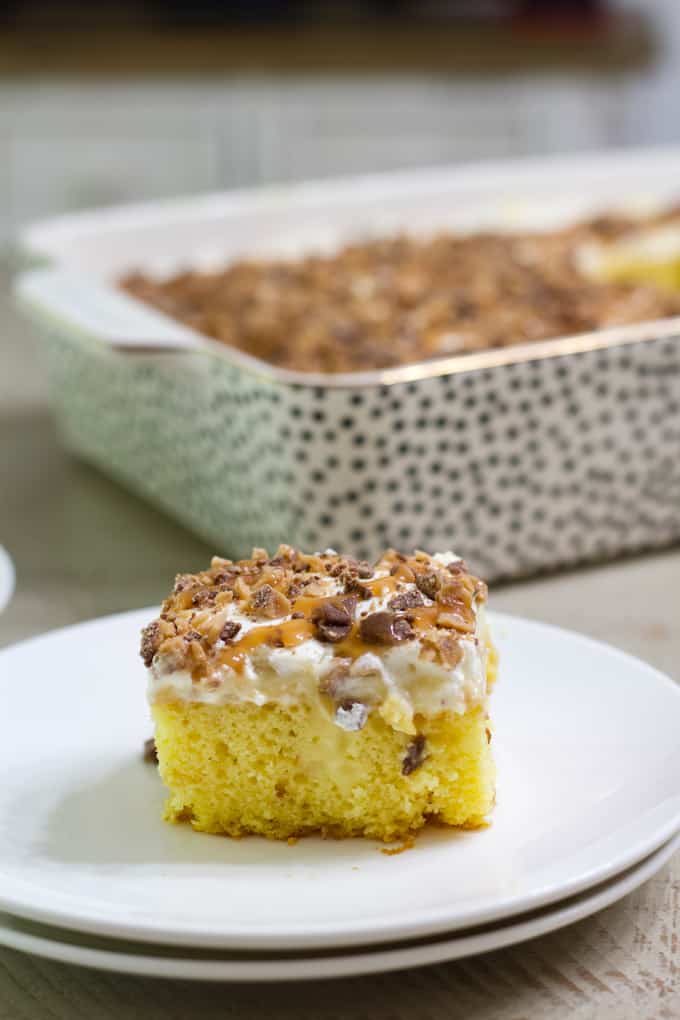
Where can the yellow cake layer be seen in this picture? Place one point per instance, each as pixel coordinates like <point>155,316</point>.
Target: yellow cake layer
<point>286,771</point>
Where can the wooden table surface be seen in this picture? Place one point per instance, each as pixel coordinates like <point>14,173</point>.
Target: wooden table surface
<point>83,547</point>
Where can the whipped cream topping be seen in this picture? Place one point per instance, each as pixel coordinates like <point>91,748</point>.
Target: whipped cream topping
<point>428,655</point>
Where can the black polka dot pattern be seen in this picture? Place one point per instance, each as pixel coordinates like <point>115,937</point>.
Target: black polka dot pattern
<point>520,468</point>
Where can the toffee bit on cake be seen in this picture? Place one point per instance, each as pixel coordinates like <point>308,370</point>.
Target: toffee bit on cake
<point>442,645</point>
<point>405,600</point>
<point>332,620</point>
<point>459,618</point>
<point>151,637</point>
<point>224,577</point>
<point>414,757</point>
<point>204,597</point>
<point>384,628</point>
<point>353,586</point>
<point>183,582</point>
<point>269,602</point>
<point>335,679</point>
<point>229,631</point>
<point>149,753</point>
<point>193,635</point>
<point>402,573</point>
<point>428,583</point>
<point>172,654</point>
<point>457,567</point>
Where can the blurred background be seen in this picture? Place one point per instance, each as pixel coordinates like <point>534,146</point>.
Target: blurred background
<point>124,99</point>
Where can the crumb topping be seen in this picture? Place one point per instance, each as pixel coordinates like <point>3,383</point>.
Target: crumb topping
<point>399,300</point>
<point>217,617</point>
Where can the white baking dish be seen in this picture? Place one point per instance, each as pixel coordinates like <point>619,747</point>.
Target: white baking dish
<point>523,458</point>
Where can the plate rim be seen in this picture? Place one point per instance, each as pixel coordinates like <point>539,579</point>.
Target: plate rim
<point>345,933</point>
<point>362,961</point>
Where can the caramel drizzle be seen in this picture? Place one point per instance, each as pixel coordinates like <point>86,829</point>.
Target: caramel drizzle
<point>294,632</point>
<point>288,634</point>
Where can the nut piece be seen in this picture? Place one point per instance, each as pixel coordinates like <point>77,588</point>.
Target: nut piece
<point>151,639</point>
<point>415,756</point>
<point>406,600</point>
<point>332,620</point>
<point>229,631</point>
<point>269,602</point>
<point>385,628</point>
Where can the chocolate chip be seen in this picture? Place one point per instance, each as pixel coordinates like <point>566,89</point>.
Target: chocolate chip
<point>406,600</point>
<point>333,621</point>
<point>193,635</point>
<point>414,757</point>
<point>151,638</point>
<point>229,631</point>
<point>182,582</point>
<point>385,628</point>
<point>150,754</point>
<point>297,616</point>
<point>205,597</point>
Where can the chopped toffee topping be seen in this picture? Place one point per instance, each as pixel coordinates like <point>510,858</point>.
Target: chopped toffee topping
<point>399,300</point>
<point>215,619</point>
<point>229,631</point>
<point>406,600</point>
<point>270,603</point>
<point>151,636</point>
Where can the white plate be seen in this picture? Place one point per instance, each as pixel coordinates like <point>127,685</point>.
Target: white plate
<point>589,784</point>
<point>7,578</point>
<point>162,961</point>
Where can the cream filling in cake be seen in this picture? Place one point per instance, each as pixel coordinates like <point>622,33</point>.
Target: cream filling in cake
<point>399,682</point>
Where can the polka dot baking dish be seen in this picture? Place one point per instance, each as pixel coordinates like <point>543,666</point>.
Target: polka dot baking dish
<point>522,458</point>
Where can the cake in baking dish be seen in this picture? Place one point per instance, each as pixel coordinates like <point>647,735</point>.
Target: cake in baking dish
<point>314,693</point>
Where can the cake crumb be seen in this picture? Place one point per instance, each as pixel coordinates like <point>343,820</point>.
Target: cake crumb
<point>150,754</point>
<point>392,851</point>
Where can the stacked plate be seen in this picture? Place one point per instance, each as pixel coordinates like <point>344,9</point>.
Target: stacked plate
<point>588,809</point>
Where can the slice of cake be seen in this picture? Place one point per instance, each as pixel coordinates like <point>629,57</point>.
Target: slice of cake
<point>315,693</point>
